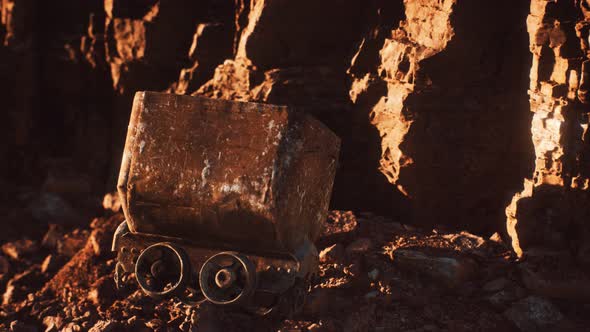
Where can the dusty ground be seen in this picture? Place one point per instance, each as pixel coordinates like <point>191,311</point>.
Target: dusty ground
<point>376,275</point>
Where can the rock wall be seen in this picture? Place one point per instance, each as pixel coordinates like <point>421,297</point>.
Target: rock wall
<point>429,97</point>
<point>552,210</point>
<point>448,101</point>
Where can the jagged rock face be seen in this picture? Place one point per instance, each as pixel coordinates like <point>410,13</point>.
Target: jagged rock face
<point>429,97</point>
<point>451,109</point>
<point>552,210</point>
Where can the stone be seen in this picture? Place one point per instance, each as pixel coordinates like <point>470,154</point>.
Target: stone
<point>501,299</point>
<point>332,254</point>
<point>495,285</point>
<point>567,283</point>
<point>102,291</point>
<point>72,242</point>
<point>533,313</point>
<point>465,240</point>
<point>51,263</point>
<point>156,324</point>
<point>324,301</point>
<point>51,237</point>
<point>4,267</point>
<point>18,326</point>
<point>451,271</point>
<point>340,226</point>
<point>100,241</point>
<point>20,248</point>
<point>359,246</point>
<point>104,326</point>
<point>111,202</point>
<point>185,326</point>
<point>19,285</point>
<point>315,327</point>
<point>53,323</point>
<point>496,237</point>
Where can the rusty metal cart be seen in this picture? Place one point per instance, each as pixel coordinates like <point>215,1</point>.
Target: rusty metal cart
<point>223,201</point>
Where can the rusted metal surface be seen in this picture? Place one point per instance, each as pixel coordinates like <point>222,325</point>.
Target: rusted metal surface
<point>223,201</point>
<point>281,279</point>
<point>251,177</point>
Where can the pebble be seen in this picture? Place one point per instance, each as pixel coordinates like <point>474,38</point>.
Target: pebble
<point>534,313</point>
<point>104,326</point>
<point>450,271</point>
<point>359,246</point>
<point>20,248</point>
<point>332,254</point>
<point>495,285</point>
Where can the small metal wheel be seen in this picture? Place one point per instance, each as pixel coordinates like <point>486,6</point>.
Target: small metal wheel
<point>227,278</point>
<point>162,270</point>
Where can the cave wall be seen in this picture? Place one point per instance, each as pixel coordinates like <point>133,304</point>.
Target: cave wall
<point>552,210</point>
<point>452,111</point>
<point>431,98</point>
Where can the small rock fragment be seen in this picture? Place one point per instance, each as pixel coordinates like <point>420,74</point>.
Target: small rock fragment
<point>4,266</point>
<point>104,326</point>
<point>156,324</point>
<point>102,291</point>
<point>501,299</point>
<point>339,226</point>
<point>495,285</point>
<point>52,323</point>
<point>574,286</point>
<point>111,202</point>
<point>315,327</point>
<point>51,263</point>
<point>332,254</point>
<point>100,242</point>
<point>465,240</point>
<point>51,238</point>
<point>533,314</point>
<point>449,270</point>
<point>359,246</point>
<point>19,286</point>
<point>185,326</point>
<point>71,243</point>
<point>18,326</point>
<point>496,237</point>
<point>20,248</point>
<point>354,269</point>
<point>323,301</point>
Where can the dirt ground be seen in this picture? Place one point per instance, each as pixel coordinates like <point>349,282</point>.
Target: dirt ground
<point>375,275</point>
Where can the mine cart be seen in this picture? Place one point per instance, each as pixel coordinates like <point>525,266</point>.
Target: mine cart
<point>223,201</point>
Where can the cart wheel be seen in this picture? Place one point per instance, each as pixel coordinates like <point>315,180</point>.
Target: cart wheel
<point>227,278</point>
<point>162,270</point>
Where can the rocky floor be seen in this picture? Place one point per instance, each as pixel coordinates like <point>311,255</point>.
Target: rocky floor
<point>375,275</point>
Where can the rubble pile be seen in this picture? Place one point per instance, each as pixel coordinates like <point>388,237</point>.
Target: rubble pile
<point>376,274</point>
